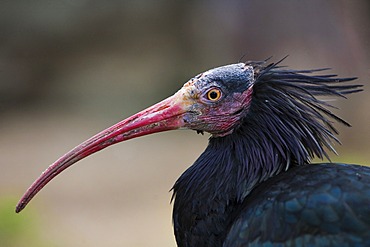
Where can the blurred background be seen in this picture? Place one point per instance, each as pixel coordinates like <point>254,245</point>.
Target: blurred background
<point>71,68</point>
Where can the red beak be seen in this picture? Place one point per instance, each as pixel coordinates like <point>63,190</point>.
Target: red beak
<point>165,115</point>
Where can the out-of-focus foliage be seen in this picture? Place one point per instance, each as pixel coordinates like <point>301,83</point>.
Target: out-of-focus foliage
<point>18,231</point>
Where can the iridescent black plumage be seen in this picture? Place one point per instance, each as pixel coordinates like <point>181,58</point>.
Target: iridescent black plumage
<point>314,205</point>
<point>283,128</point>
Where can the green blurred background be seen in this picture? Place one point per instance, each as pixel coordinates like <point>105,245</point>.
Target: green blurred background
<point>71,68</point>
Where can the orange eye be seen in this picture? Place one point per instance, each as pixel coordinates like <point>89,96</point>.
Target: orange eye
<point>214,94</point>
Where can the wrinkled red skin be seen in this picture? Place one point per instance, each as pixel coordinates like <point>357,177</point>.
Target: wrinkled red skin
<point>220,119</point>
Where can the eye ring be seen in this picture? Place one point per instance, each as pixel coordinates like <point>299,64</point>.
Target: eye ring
<point>213,94</point>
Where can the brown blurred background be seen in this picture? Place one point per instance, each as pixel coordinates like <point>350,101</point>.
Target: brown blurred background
<point>71,68</point>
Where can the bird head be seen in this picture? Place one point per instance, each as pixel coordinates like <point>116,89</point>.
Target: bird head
<point>213,101</point>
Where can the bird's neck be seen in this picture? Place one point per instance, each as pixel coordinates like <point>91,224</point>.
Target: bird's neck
<point>209,192</point>
<point>235,164</point>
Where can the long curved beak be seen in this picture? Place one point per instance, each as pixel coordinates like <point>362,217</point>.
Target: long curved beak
<point>163,116</point>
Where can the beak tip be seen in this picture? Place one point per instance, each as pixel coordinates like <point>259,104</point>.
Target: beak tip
<point>20,205</point>
<point>19,208</point>
<point>23,202</point>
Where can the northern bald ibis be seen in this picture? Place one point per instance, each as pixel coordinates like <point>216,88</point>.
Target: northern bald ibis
<point>254,184</point>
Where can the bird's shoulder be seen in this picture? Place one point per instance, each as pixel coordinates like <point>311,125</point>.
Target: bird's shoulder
<point>319,204</point>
